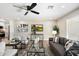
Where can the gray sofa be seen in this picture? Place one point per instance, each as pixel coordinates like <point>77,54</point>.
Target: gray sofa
<point>58,48</point>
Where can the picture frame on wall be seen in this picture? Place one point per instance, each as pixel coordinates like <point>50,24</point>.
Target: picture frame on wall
<point>22,28</point>
<point>37,27</point>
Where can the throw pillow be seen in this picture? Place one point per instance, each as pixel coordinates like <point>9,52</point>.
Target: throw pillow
<point>62,41</point>
<point>76,44</point>
<point>69,44</point>
<point>56,39</point>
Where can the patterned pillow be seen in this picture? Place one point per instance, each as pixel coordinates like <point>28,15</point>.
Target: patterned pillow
<point>69,44</point>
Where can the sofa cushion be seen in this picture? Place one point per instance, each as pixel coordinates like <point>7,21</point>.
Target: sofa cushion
<point>57,49</point>
<point>62,41</point>
<point>51,39</point>
<point>65,40</point>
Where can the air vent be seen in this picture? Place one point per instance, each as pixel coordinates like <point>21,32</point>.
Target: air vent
<point>50,7</point>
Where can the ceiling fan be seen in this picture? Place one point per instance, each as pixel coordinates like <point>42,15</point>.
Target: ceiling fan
<point>28,8</point>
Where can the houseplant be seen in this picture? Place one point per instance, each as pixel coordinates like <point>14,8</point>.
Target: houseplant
<point>56,28</point>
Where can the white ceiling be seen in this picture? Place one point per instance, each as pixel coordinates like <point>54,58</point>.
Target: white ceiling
<point>8,11</point>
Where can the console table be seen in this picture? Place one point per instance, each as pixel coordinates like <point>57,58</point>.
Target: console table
<point>37,46</point>
<point>35,37</point>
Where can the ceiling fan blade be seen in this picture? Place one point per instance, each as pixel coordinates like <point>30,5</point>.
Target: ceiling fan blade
<point>35,12</point>
<point>26,13</point>
<point>19,7</point>
<point>33,5</point>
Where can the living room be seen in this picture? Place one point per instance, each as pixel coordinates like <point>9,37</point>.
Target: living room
<point>31,32</point>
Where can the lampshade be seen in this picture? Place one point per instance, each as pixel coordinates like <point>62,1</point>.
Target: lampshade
<point>54,32</point>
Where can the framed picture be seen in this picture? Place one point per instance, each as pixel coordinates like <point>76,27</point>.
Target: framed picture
<point>37,27</point>
<point>22,28</point>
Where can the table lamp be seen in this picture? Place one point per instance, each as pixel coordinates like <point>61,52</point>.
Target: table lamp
<point>54,33</point>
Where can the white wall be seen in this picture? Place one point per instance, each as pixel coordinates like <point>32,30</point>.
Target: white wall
<point>65,26</point>
<point>11,29</point>
<point>62,27</point>
<point>47,27</point>
<point>73,28</point>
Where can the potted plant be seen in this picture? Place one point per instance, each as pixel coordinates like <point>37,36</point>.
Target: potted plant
<point>56,28</point>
